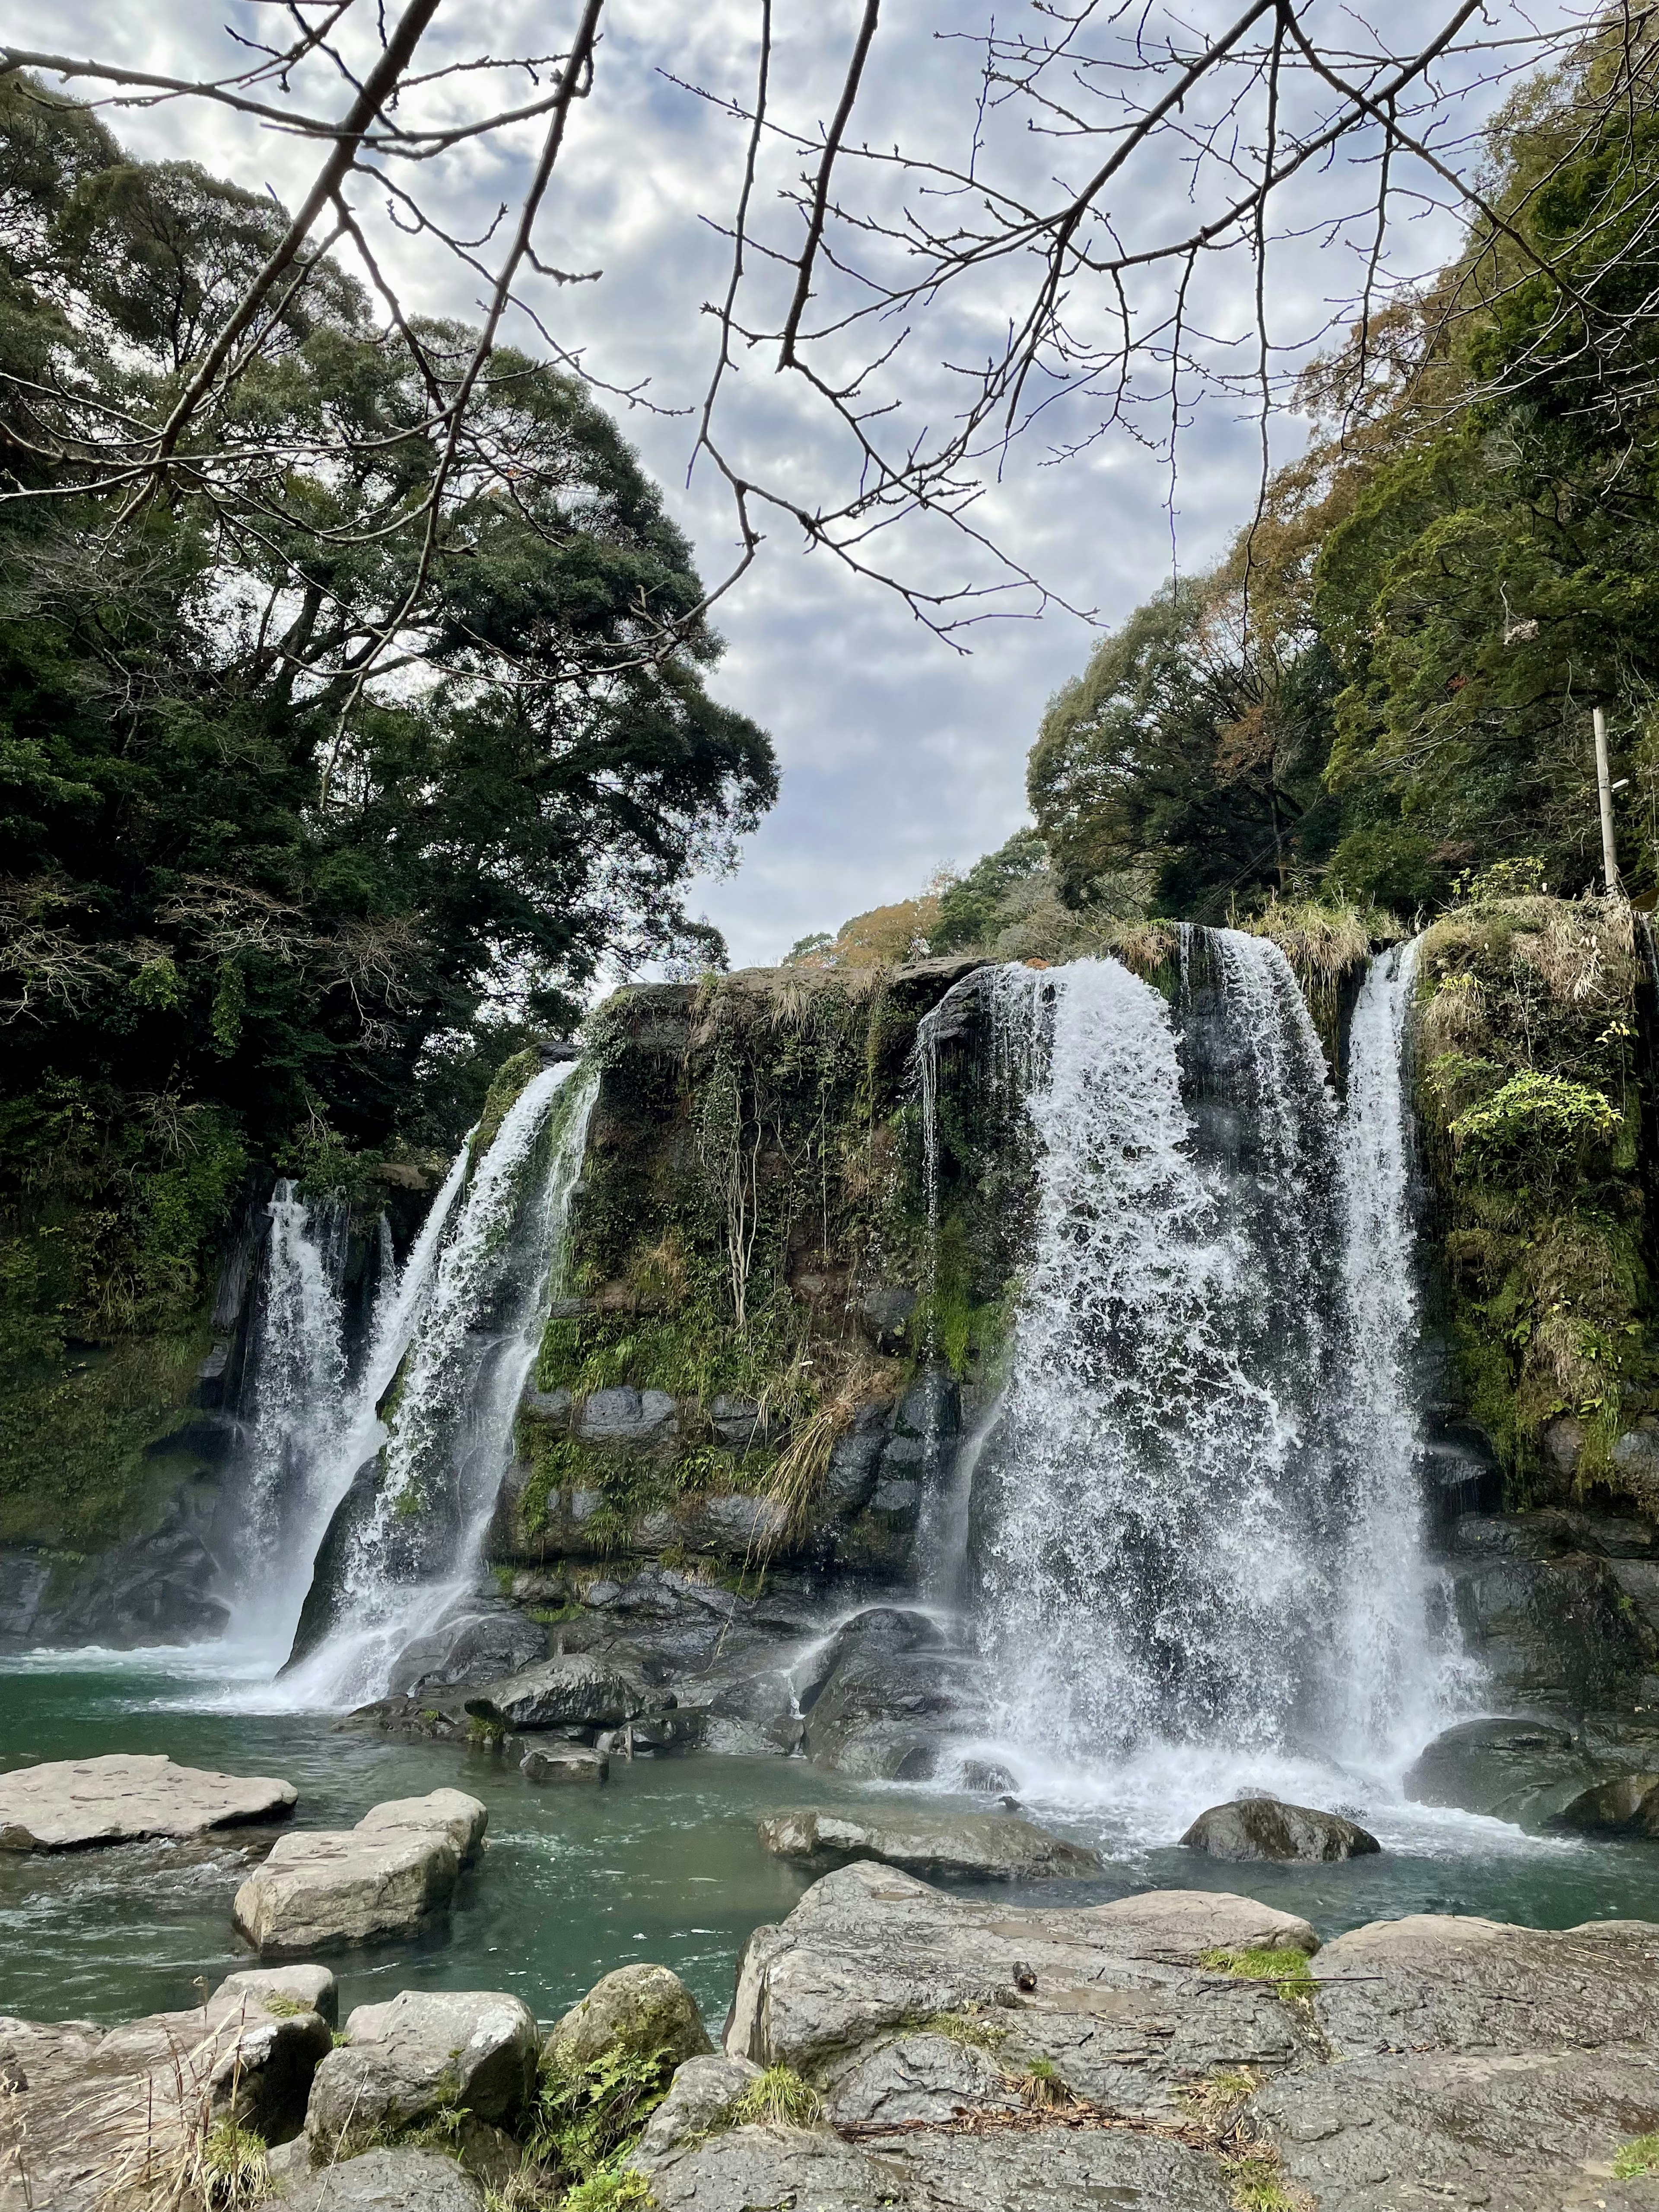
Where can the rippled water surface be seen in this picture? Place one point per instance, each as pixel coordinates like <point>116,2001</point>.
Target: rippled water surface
<point>661,1863</point>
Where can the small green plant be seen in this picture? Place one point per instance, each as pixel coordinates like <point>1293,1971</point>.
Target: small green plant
<point>487,1732</point>
<point>1287,1969</point>
<point>231,2167</point>
<point>1215,2099</point>
<point>588,2120</point>
<point>611,2190</point>
<point>1043,2087</point>
<point>283,2006</point>
<point>1255,2183</point>
<point>1637,2157</point>
<point>969,2028</point>
<point>1535,1124</point>
<point>779,2100</point>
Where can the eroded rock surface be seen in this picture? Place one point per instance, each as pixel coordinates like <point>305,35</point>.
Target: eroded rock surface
<point>992,1847</point>
<point>70,1804</point>
<point>389,1875</point>
<point>387,2181</point>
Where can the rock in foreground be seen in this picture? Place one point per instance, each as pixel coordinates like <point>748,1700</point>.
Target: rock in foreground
<point>392,1874</point>
<point>994,1848</point>
<point>405,2061</point>
<point>1265,1828</point>
<point>88,2108</point>
<point>387,2181</point>
<point>642,2009</point>
<point>67,1805</point>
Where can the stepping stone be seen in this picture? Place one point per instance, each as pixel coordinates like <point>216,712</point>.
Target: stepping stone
<point>996,1847</point>
<point>72,1804</point>
<point>394,1873</point>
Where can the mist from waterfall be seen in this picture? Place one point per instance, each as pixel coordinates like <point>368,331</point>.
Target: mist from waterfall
<point>1196,1538</point>
<point>417,1545</point>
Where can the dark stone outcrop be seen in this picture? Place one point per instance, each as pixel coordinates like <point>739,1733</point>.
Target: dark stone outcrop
<point>1265,1828</point>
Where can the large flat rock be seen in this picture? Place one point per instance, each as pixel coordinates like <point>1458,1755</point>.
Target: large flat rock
<point>994,1847</point>
<point>1042,2169</point>
<point>89,2106</point>
<point>1525,2132</point>
<point>394,1873</point>
<point>71,1804</point>
<point>1444,1982</point>
<point>1112,1996</point>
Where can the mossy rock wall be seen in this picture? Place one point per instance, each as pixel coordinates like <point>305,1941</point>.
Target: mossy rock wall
<point>1532,1032</point>
<point>753,1289</point>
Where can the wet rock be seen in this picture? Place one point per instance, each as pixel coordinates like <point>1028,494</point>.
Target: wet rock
<point>990,1846</point>
<point>1551,1628</point>
<point>481,1641</point>
<point>1108,1995</point>
<point>637,2008</point>
<point>551,1408</point>
<point>626,1416</point>
<point>886,1310</point>
<point>387,2181</point>
<point>738,1422</point>
<point>159,1587</point>
<point>65,1805</point>
<point>888,1692</point>
<point>564,1762</point>
<point>1529,2132</point>
<point>755,1715</point>
<point>1265,1828</point>
<point>702,2093</point>
<point>1628,1804</point>
<point>1523,1771</point>
<point>1451,1983</point>
<point>853,1460</point>
<point>988,1775</point>
<point>571,1691</point>
<point>422,2051</point>
<point>394,1873</point>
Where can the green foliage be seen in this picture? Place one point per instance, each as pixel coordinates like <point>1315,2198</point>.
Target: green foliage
<point>779,2099</point>
<point>1288,1968</point>
<point>611,2190</point>
<point>1256,2183</point>
<point>588,2119</point>
<point>1535,1129</point>
<point>969,2028</point>
<point>973,910</point>
<point>230,2167</point>
<point>1639,2156</point>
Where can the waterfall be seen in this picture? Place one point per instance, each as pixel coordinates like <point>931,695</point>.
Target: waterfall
<point>295,1394</point>
<point>1194,1524</point>
<point>314,1422</point>
<point>425,1501</point>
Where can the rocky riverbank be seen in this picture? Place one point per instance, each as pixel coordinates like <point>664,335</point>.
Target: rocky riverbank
<point>891,2045</point>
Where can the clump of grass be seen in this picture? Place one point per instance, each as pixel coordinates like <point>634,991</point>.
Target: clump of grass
<point>283,2006</point>
<point>230,2167</point>
<point>588,2119</point>
<point>612,2190</point>
<point>780,2099</point>
<point>1256,2184</point>
<point>1215,2099</point>
<point>1287,1969</point>
<point>1637,2157</point>
<point>969,2028</point>
<point>1043,2087</point>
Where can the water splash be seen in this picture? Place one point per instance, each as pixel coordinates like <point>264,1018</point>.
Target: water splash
<point>432,1492</point>
<point>1195,1530</point>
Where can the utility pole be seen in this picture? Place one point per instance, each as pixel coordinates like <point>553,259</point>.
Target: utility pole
<point>1604,787</point>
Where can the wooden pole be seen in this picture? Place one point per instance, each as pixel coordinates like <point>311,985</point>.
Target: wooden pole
<point>1604,788</point>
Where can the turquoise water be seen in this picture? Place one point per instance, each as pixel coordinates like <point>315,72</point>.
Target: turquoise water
<point>662,1864</point>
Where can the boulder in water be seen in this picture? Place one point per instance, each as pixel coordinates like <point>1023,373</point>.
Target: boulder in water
<point>1626,1804</point>
<point>994,1847</point>
<point>387,2181</point>
<point>571,1691</point>
<point>564,1762</point>
<point>639,2009</point>
<point>885,1695</point>
<point>1523,1771</point>
<point>394,1872</point>
<point>65,1805</point>
<point>1264,1828</point>
<point>405,2061</point>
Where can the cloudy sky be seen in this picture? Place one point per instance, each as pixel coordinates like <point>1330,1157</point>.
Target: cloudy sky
<point>899,753</point>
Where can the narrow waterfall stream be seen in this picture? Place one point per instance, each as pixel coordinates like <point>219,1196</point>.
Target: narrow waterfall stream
<point>406,1538</point>
<point>1195,1534</point>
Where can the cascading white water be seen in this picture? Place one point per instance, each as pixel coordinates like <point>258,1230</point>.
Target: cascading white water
<point>314,1423</point>
<point>1195,1531</point>
<point>295,1392</point>
<point>450,1437</point>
